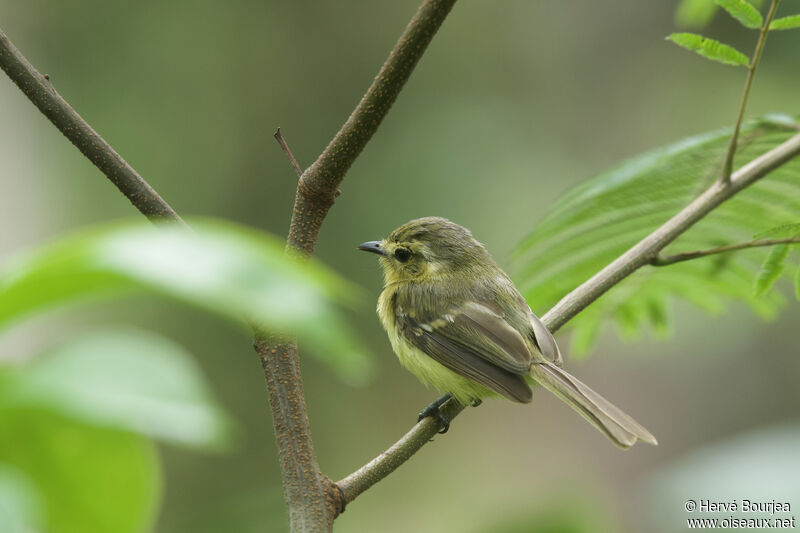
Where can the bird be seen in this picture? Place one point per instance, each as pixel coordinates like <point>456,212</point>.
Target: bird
<point>458,323</point>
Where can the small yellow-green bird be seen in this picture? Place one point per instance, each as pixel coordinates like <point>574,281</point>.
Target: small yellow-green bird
<point>458,323</point>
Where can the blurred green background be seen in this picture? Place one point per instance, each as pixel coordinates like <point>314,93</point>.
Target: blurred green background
<point>513,104</point>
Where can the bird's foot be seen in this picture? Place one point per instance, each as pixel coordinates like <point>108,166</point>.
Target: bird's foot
<point>476,402</point>
<point>433,410</point>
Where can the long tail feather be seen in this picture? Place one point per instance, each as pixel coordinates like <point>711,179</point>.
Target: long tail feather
<point>623,430</point>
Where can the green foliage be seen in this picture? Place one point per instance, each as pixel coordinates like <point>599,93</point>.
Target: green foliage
<point>127,380</point>
<point>596,222</point>
<point>699,13</point>
<point>785,23</point>
<point>743,11</point>
<point>774,264</point>
<point>772,269</point>
<point>74,422</point>
<point>90,479</point>
<point>784,230</point>
<point>20,505</point>
<point>709,48</point>
<point>227,269</point>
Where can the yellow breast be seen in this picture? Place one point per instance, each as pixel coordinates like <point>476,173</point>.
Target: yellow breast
<point>427,370</point>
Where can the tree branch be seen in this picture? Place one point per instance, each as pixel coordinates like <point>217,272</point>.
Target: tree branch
<point>665,260</point>
<point>317,187</point>
<point>313,500</point>
<point>41,92</point>
<point>397,454</point>
<point>570,305</point>
<point>727,167</point>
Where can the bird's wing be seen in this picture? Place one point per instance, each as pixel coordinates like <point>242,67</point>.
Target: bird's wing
<point>544,341</point>
<point>517,313</point>
<point>474,341</point>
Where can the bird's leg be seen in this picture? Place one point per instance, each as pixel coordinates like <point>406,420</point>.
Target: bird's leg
<point>433,410</point>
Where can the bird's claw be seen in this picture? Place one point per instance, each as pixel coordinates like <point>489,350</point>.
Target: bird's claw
<point>438,415</point>
<point>433,411</point>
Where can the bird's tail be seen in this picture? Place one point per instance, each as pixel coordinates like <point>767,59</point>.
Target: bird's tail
<point>623,430</point>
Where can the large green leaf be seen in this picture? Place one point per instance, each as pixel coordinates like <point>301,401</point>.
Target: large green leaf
<point>90,480</point>
<point>596,222</point>
<point>228,269</point>
<point>123,379</point>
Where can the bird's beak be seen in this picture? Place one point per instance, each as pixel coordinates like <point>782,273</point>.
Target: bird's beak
<point>372,246</point>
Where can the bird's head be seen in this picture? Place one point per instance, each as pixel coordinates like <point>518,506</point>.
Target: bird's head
<point>426,249</point>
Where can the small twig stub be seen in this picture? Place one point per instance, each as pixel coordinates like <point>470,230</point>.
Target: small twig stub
<point>288,151</point>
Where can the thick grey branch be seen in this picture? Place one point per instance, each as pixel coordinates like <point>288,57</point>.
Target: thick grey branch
<point>41,92</point>
<point>665,260</point>
<point>639,255</point>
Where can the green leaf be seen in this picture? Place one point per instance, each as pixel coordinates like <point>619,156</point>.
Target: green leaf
<point>743,11</point>
<point>773,266</point>
<point>224,268</point>
<point>596,222</point>
<point>787,121</point>
<point>772,269</point>
<point>709,48</point>
<point>90,480</point>
<point>784,230</point>
<point>698,13</point>
<point>21,507</point>
<point>785,23</point>
<point>695,13</point>
<point>128,380</point>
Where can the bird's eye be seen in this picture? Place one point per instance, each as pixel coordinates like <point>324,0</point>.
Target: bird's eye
<point>402,254</point>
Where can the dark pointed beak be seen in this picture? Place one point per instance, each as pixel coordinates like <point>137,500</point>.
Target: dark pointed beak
<point>372,246</point>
